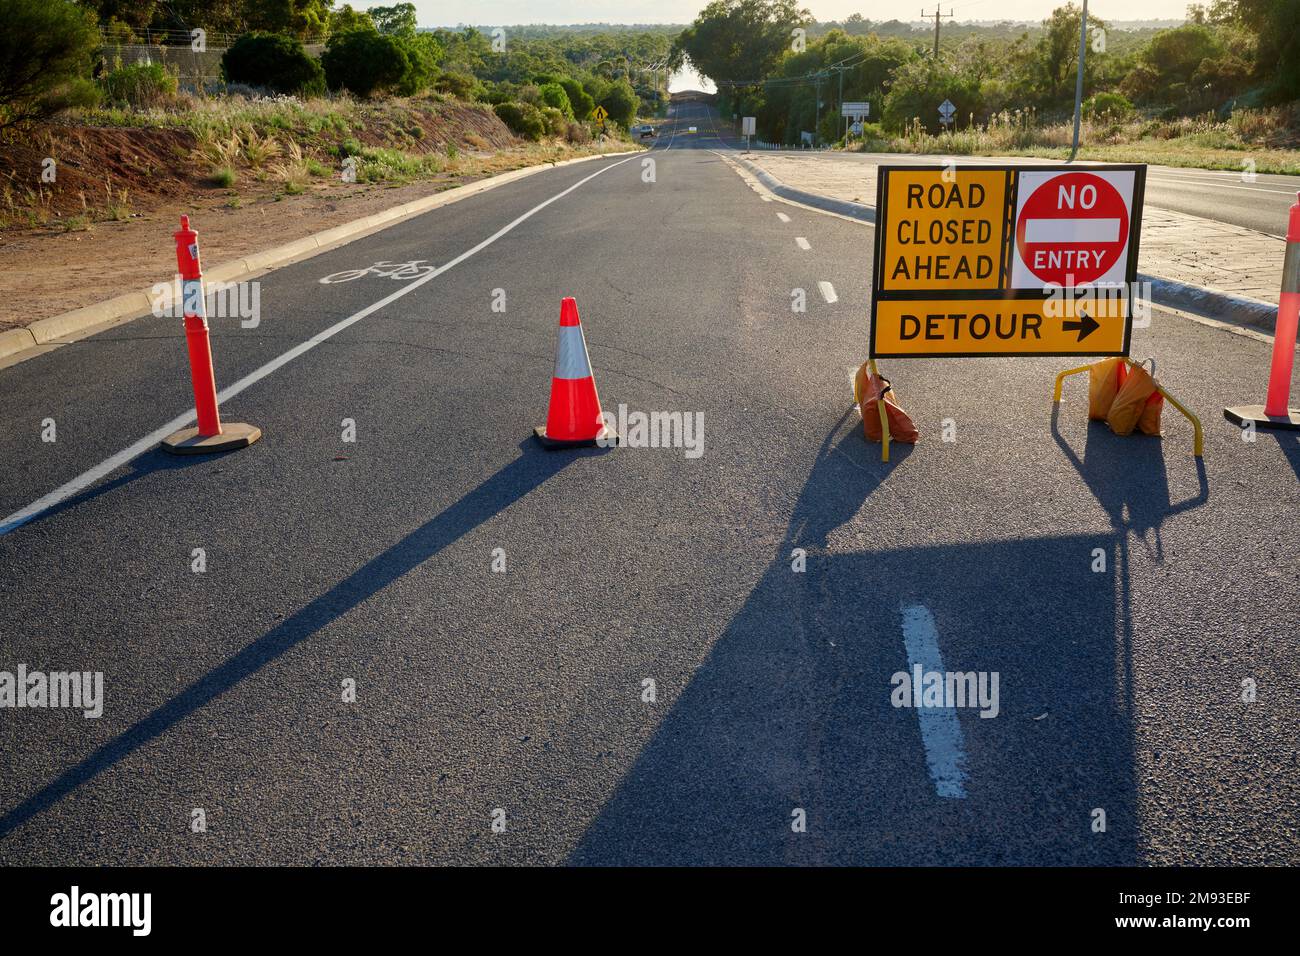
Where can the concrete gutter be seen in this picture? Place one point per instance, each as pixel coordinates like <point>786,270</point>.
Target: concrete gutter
<point>49,333</point>
<point>1198,300</point>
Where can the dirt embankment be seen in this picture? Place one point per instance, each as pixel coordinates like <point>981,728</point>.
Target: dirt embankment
<point>103,226</point>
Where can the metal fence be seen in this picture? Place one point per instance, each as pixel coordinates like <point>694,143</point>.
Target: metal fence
<point>174,50</point>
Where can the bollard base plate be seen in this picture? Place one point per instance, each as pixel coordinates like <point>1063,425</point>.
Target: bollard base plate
<point>1241,414</point>
<point>234,435</point>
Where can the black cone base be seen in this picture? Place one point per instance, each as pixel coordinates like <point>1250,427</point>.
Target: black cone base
<point>1241,414</point>
<point>608,435</point>
<point>234,435</point>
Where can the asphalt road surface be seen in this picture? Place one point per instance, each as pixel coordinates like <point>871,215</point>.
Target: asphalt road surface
<point>522,697</point>
<point>1256,201</point>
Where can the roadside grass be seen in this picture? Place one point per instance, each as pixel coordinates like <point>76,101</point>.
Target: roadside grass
<point>296,146</point>
<point>1248,141</point>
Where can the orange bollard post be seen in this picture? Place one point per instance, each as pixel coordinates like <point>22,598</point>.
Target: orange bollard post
<point>1276,411</point>
<point>209,436</point>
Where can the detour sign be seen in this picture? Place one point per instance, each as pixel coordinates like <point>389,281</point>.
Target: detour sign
<point>1005,260</point>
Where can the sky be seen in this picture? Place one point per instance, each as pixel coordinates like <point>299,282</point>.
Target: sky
<point>442,13</point>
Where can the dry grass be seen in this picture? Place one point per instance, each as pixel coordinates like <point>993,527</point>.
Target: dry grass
<point>1263,141</point>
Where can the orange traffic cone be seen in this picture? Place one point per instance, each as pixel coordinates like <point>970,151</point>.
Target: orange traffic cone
<point>573,419</point>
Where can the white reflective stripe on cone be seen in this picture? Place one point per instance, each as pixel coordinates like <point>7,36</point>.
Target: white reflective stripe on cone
<point>571,354</point>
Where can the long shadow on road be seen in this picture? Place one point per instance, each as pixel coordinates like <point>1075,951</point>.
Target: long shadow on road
<point>497,493</point>
<point>791,712</point>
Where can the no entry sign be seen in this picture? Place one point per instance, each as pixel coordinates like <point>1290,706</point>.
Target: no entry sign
<point>1000,260</point>
<point>1072,228</point>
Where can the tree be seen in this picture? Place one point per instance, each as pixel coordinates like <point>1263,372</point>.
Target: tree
<point>579,99</point>
<point>274,61</point>
<point>553,95</point>
<point>345,18</point>
<point>364,63</point>
<point>1058,52</point>
<point>302,18</point>
<point>1277,23</point>
<point>397,19</point>
<point>741,39</point>
<point>46,51</point>
<point>621,102</point>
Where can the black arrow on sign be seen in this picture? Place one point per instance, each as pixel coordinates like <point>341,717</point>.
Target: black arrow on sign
<point>1085,326</point>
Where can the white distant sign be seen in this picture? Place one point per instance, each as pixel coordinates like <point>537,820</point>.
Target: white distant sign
<point>748,126</point>
<point>805,137</point>
<point>947,111</point>
<point>855,110</point>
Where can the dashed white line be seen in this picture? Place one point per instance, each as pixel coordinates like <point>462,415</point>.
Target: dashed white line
<point>828,292</point>
<point>783,217</point>
<point>945,751</point>
<point>801,242</point>
<point>84,480</point>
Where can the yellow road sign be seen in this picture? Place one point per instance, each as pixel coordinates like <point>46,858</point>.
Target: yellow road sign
<point>600,113</point>
<point>1005,260</point>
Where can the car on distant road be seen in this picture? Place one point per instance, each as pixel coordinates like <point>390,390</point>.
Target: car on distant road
<point>643,131</point>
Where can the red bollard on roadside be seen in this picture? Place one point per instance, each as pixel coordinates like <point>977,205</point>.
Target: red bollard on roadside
<point>210,435</point>
<point>1276,411</point>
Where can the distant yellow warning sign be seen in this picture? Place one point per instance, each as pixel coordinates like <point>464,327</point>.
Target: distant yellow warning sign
<point>600,114</point>
<point>1005,260</point>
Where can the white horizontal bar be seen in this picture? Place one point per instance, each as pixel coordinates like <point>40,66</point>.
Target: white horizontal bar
<point>1072,230</point>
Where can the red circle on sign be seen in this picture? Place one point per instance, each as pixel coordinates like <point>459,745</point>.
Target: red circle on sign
<point>1072,229</point>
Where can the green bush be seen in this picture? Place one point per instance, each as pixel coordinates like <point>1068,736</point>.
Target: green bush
<point>46,51</point>
<point>364,63</point>
<point>622,103</point>
<point>523,119</point>
<point>274,61</point>
<point>422,53</point>
<point>579,99</point>
<point>553,95</point>
<point>577,133</point>
<point>1112,105</point>
<point>141,85</point>
<point>460,85</point>
<point>556,122</point>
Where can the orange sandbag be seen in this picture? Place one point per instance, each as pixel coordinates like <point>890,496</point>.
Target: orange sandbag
<point>1131,401</point>
<point>868,388</point>
<point>1104,381</point>
<point>1149,420</point>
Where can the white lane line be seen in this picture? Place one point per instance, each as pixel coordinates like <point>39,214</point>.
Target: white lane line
<point>783,217</point>
<point>84,480</point>
<point>945,753</point>
<point>801,242</point>
<point>828,292</point>
<point>1185,181</point>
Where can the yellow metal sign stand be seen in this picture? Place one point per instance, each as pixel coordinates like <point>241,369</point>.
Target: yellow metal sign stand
<point>1198,442</point>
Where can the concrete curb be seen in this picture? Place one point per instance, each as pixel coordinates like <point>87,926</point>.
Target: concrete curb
<point>1198,300</point>
<point>80,323</point>
<point>1212,303</point>
<point>841,207</point>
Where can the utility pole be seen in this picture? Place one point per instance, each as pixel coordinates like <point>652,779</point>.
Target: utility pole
<point>817,124</point>
<point>936,27</point>
<point>1078,83</point>
<point>841,102</point>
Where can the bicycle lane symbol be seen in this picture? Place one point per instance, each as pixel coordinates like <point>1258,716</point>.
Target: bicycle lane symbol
<point>400,271</point>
